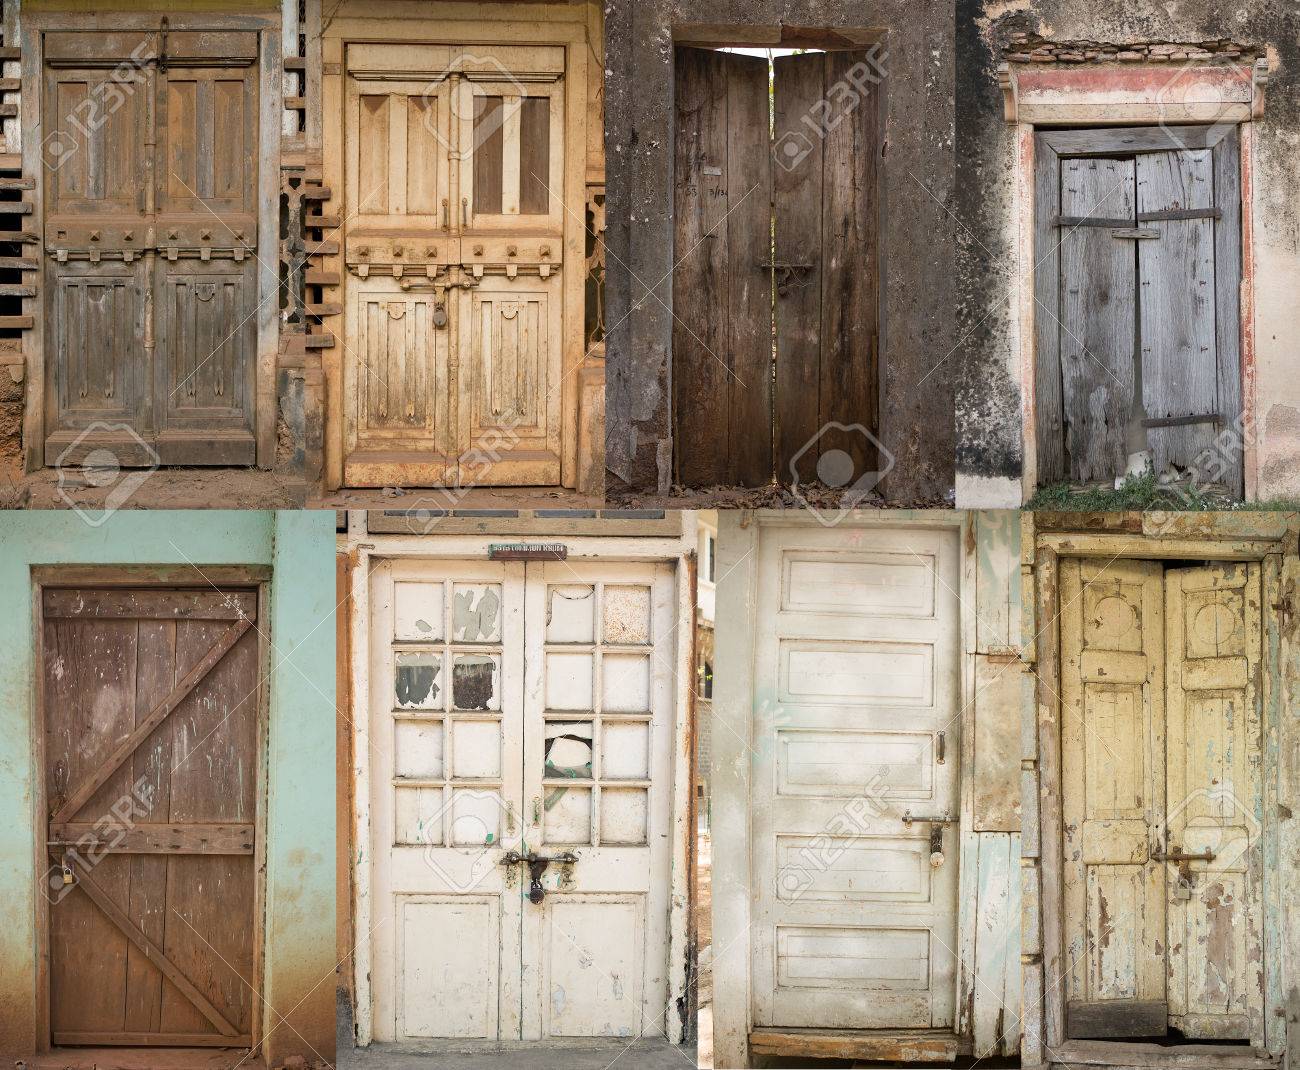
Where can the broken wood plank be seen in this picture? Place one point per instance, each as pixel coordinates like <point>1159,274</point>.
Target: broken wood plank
<point>902,1046</point>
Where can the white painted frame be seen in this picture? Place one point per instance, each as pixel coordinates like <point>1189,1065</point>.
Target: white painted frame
<point>733,704</point>
<point>679,554</point>
<point>270,108</point>
<point>1028,110</point>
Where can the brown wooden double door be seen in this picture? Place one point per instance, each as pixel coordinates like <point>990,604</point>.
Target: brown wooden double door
<point>150,722</point>
<point>775,283</point>
<point>150,242</point>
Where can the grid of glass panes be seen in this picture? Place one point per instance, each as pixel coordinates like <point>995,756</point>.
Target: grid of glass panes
<point>447,742</point>
<point>598,687</point>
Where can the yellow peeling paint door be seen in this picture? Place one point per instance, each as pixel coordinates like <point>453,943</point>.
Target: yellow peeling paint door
<point>453,240</point>
<point>1215,802</point>
<point>520,709</point>
<point>857,742</point>
<point>1161,753</point>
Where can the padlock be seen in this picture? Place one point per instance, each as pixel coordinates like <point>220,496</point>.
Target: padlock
<point>936,859</point>
<point>67,874</point>
<point>440,315</point>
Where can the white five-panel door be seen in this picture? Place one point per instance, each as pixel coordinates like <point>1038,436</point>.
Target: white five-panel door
<point>520,711</point>
<point>857,736</point>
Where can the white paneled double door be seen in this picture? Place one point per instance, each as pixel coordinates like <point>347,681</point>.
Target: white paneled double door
<point>520,755</point>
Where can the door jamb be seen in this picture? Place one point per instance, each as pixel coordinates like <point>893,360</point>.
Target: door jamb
<point>733,706</point>
<point>1277,558</point>
<point>370,552</point>
<point>259,578</point>
<point>270,105</point>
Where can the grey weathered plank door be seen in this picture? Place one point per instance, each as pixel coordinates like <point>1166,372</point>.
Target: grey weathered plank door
<point>150,722</point>
<point>775,285</point>
<point>150,235</point>
<point>1138,266</point>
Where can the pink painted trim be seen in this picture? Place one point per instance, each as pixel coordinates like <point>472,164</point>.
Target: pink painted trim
<point>1160,83</point>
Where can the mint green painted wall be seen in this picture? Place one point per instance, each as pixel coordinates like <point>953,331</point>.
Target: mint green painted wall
<point>299,922</point>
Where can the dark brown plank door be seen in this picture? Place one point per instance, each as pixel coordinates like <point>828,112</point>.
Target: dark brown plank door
<point>150,729</point>
<point>96,377</point>
<point>1181,374</point>
<point>825,205</point>
<point>722,296</point>
<point>1097,317</point>
<point>205,277</point>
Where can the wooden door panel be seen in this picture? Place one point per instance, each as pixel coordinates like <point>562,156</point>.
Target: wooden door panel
<point>400,134</point>
<point>512,155</point>
<point>1180,373</point>
<point>208,145</point>
<point>95,147</point>
<point>1113,750</point>
<point>208,345</point>
<point>1097,318</point>
<point>854,924</point>
<point>509,377</point>
<point>151,711</point>
<point>1215,800</point>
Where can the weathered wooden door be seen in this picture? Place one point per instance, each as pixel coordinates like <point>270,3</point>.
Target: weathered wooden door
<point>1161,752</point>
<point>775,280</point>
<point>150,701</point>
<point>858,743</point>
<point>150,235</point>
<point>520,709</point>
<point>454,248</point>
<point>1137,321</point>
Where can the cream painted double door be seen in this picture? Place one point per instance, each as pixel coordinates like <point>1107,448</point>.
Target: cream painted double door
<point>520,709</point>
<point>1162,793</point>
<point>454,246</point>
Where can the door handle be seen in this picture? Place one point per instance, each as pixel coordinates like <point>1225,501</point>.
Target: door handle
<point>536,867</point>
<point>1177,854</point>
<point>464,211</point>
<point>446,215</point>
<point>940,747</point>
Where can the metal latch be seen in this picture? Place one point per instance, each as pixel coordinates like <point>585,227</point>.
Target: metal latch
<point>536,867</point>
<point>787,274</point>
<point>1185,876</point>
<point>936,832</point>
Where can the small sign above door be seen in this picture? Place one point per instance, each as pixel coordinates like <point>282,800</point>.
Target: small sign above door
<point>528,551</point>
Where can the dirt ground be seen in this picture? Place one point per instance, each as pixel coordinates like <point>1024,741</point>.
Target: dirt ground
<point>469,498</point>
<point>814,496</point>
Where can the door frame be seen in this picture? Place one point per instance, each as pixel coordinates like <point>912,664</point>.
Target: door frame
<point>1034,102</point>
<point>368,552</point>
<point>43,576</point>
<point>734,697</point>
<point>270,105</point>
<point>515,25</point>
<point>1271,541</point>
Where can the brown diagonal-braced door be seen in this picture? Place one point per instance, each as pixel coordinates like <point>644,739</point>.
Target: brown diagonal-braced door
<point>150,239</point>
<point>775,283</point>
<point>151,701</point>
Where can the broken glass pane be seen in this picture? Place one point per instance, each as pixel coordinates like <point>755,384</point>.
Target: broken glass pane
<point>476,613</point>
<point>568,749</point>
<point>570,613</point>
<point>417,611</point>
<point>474,682</point>
<point>417,674</point>
<point>568,815</point>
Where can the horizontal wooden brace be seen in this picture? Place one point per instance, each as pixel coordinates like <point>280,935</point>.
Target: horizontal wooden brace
<point>154,839</point>
<point>7,290</point>
<point>1184,421</point>
<point>331,308</point>
<point>9,182</point>
<point>1180,213</point>
<point>323,221</point>
<point>17,323</point>
<point>295,103</point>
<point>151,1040</point>
<point>19,263</point>
<point>294,63</point>
<point>317,277</point>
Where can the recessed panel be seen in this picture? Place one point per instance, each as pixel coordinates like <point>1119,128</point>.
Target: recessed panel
<point>476,749</point>
<point>417,749</point>
<point>569,681</point>
<point>897,765</point>
<point>875,584</point>
<point>625,752</point>
<point>417,816</point>
<point>447,976</point>
<point>570,613</point>
<point>625,683</point>
<point>884,869</point>
<point>624,816</point>
<point>593,965</point>
<point>859,958</point>
<point>1114,773</point>
<point>870,673</point>
<point>475,817</point>
<point>567,815</point>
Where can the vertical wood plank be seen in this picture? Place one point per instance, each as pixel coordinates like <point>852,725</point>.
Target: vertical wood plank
<point>702,378</point>
<point>1049,763</point>
<point>1049,420</point>
<point>1176,273</point>
<point>1097,319</point>
<point>798,175</point>
<point>748,292</point>
<point>994,941</point>
<point>849,380</point>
